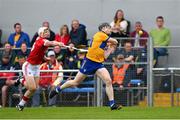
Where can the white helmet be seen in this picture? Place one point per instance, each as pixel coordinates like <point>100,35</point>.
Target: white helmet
<point>41,30</point>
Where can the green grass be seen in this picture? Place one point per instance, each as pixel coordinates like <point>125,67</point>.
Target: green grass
<point>91,113</point>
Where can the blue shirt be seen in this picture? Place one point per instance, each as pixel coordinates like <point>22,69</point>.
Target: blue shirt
<point>24,37</point>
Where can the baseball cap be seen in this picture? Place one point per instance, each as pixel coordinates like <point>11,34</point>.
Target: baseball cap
<point>50,53</point>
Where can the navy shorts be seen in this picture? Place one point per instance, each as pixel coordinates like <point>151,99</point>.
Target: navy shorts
<point>89,67</point>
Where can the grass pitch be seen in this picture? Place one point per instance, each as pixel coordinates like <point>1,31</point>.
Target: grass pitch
<point>91,113</point>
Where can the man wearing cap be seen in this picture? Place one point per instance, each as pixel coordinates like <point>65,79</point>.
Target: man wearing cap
<point>119,70</point>
<point>31,68</point>
<point>48,79</point>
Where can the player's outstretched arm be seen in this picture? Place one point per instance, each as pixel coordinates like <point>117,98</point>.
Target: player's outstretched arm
<point>53,43</point>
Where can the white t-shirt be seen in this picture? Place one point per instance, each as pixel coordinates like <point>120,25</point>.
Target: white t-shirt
<point>123,25</point>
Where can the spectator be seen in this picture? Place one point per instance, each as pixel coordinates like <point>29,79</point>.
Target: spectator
<point>50,38</point>
<point>80,57</point>
<point>141,69</point>
<point>0,38</point>
<point>49,79</point>
<point>23,52</point>
<point>139,33</point>
<point>70,59</point>
<point>21,60</point>
<point>63,35</point>
<point>120,26</point>
<point>130,56</point>
<point>161,37</point>
<point>8,51</point>
<point>128,52</point>
<point>17,38</point>
<point>60,54</point>
<point>119,70</point>
<point>6,79</point>
<point>78,34</point>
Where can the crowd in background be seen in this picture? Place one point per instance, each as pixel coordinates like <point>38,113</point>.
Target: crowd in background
<point>57,58</point>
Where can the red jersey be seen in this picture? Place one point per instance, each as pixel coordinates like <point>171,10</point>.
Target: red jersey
<point>37,53</point>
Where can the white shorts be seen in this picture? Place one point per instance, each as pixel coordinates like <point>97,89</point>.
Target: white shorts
<point>30,70</point>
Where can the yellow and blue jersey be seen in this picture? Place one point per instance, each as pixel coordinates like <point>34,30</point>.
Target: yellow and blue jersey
<point>96,50</point>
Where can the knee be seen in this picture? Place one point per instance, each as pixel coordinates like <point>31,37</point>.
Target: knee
<point>4,89</point>
<point>108,82</point>
<point>33,88</point>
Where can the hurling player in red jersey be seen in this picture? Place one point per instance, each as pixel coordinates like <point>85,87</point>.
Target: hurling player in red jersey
<point>30,68</point>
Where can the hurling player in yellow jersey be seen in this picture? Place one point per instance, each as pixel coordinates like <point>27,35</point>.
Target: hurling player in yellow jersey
<point>92,64</point>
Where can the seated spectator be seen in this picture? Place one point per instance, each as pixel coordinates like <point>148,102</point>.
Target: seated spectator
<point>141,69</point>
<point>60,54</point>
<point>70,59</point>
<point>6,79</point>
<point>80,57</point>
<point>119,70</point>
<point>0,38</point>
<point>51,37</point>
<point>23,52</point>
<point>8,51</point>
<point>161,36</point>
<point>21,60</point>
<point>63,35</point>
<point>48,79</point>
<point>130,56</point>
<point>78,34</point>
<point>138,34</point>
<point>128,52</point>
<point>120,26</point>
<point>17,38</point>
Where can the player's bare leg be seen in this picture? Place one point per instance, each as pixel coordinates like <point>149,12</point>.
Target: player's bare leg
<point>70,83</point>
<point>105,76</point>
<point>31,85</point>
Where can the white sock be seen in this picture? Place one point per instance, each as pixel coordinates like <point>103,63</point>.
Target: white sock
<point>22,102</point>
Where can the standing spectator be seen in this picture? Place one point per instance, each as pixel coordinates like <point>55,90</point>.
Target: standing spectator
<point>8,51</point>
<point>60,54</point>
<point>17,38</point>
<point>48,79</point>
<point>138,34</point>
<point>6,79</point>
<point>78,34</point>
<point>50,38</point>
<point>161,37</point>
<point>120,26</point>
<point>63,35</point>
